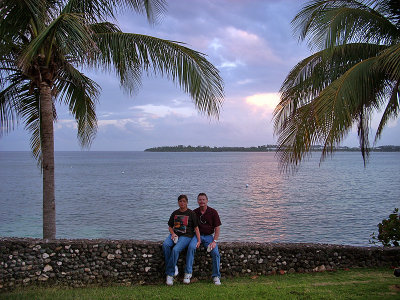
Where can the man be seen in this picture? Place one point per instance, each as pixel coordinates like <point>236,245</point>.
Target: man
<point>209,224</point>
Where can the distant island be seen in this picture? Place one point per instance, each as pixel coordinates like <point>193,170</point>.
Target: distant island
<point>264,148</point>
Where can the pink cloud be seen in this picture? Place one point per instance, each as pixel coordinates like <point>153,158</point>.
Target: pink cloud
<point>237,45</point>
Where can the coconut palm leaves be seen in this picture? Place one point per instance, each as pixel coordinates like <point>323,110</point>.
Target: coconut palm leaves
<point>45,46</point>
<point>355,73</point>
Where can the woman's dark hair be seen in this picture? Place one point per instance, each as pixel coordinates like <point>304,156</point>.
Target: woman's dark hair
<point>183,196</point>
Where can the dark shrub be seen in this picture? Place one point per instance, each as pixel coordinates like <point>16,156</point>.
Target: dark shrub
<point>388,230</point>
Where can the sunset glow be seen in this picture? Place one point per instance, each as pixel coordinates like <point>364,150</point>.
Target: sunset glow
<point>268,101</point>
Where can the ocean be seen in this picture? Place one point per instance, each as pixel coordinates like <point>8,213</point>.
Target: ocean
<point>130,195</point>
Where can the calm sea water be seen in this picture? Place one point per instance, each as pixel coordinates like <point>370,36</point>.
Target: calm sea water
<point>130,195</point>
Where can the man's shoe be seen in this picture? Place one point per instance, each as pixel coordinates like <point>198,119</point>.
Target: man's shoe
<point>216,281</point>
<point>176,271</point>
<point>186,278</point>
<point>170,280</point>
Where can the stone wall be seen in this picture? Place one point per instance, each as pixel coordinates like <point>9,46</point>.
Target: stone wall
<point>86,262</point>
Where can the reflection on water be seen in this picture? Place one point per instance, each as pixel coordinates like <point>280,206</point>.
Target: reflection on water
<point>130,195</point>
<point>264,205</point>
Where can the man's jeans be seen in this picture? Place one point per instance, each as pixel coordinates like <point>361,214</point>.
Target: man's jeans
<point>171,254</point>
<point>205,241</point>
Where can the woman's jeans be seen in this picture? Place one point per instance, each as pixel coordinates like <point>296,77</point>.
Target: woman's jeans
<point>171,254</point>
<point>205,241</point>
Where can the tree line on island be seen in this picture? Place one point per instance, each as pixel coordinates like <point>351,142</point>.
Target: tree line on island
<point>263,148</point>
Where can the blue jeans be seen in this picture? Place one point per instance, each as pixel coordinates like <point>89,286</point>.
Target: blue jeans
<point>171,254</point>
<point>205,241</point>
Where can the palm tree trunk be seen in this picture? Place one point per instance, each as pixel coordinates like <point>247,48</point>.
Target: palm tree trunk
<point>47,140</point>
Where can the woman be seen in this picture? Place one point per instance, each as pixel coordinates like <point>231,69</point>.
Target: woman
<point>182,225</point>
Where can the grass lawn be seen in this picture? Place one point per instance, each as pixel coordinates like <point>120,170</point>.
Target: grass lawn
<point>352,284</point>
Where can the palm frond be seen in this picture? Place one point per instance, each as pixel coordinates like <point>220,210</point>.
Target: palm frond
<point>24,104</point>
<point>355,95</point>
<point>8,107</point>
<point>16,15</point>
<point>94,10</point>
<point>154,9</point>
<point>389,60</point>
<point>29,111</point>
<point>102,10</point>
<point>69,30</point>
<point>104,27</point>
<point>80,93</point>
<point>131,53</point>
<point>335,22</point>
<point>391,111</point>
<point>313,74</point>
<point>328,117</point>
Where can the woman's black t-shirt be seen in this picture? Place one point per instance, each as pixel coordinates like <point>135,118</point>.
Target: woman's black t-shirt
<point>183,223</point>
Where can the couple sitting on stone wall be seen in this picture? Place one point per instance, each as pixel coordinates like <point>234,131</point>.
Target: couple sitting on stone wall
<point>188,229</point>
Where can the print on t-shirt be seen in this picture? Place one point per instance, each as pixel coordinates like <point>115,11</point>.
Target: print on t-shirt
<point>180,223</point>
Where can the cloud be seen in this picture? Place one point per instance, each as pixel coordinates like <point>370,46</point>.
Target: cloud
<point>65,123</point>
<point>245,81</point>
<point>236,46</point>
<point>215,44</point>
<point>264,103</point>
<point>162,111</point>
<point>147,117</point>
<point>230,64</point>
<point>125,124</point>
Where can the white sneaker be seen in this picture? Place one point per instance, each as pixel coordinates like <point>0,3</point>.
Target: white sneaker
<point>170,280</point>
<point>176,271</point>
<point>216,281</point>
<point>186,278</point>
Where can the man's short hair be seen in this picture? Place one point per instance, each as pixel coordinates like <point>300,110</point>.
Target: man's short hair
<point>202,194</point>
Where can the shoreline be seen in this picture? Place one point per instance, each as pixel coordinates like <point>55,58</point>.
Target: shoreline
<point>149,242</point>
<point>264,148</point>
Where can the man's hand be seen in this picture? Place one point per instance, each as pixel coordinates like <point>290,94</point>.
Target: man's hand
<point>173,235</point>
<point>198,244</point>
<point>213,245</point>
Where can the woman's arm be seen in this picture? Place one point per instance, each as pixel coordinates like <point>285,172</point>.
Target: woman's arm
<point>171,231</point>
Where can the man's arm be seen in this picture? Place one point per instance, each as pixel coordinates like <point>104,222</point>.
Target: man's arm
<point>197,231</point>
<point>216,236</point>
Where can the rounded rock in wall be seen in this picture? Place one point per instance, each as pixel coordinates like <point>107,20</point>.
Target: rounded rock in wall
<point>43,277</point>
<point>47,268</point>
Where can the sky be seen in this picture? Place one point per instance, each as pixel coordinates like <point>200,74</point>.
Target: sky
<point>253,45</point>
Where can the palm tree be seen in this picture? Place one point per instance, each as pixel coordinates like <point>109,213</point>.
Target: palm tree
<point>354,73</point>
<point>43,45</point>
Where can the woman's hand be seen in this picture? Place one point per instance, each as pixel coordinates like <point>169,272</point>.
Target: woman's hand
<point>173,235</point>
<point>198,244</point>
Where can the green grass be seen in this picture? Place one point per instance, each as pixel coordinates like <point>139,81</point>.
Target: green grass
<point>353,284</point>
